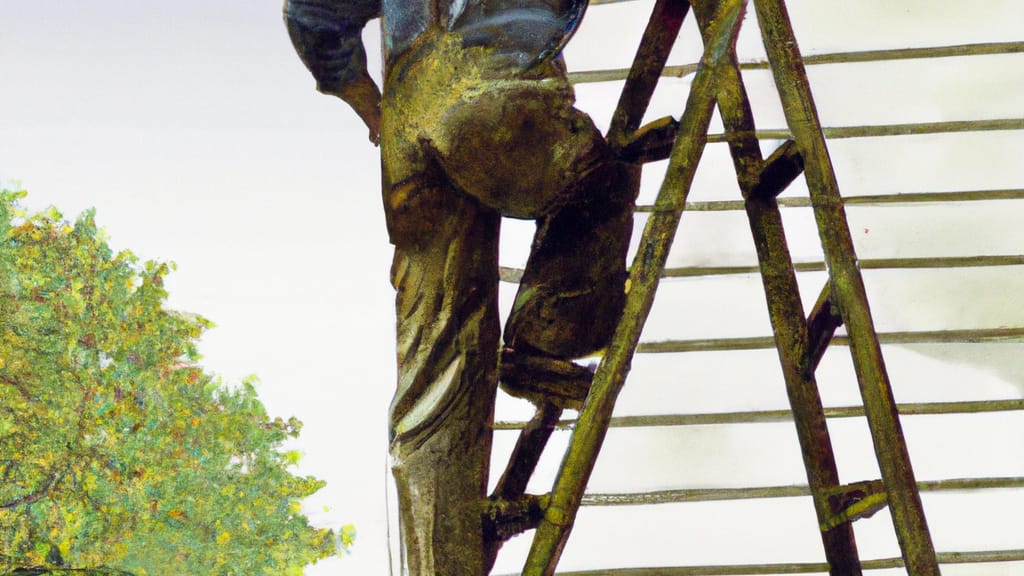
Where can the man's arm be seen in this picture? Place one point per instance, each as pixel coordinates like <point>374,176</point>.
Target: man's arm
<point>327,34</point>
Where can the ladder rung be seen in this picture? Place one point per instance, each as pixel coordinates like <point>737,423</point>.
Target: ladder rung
<point>652,142</point>
<point>779,171</point>
<point>851,502</point>
<point>822,323</point>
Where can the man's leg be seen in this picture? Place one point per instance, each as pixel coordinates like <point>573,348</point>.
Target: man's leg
<point>524,150</point>
<point>446,277</point>
<point>442,414</point>
<point>445,274</point>
<point>573,288</point>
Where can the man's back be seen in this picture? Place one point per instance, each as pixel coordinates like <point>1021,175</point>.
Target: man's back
<point>523,32</point>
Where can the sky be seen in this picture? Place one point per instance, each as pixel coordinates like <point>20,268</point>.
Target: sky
<point>195,132</point>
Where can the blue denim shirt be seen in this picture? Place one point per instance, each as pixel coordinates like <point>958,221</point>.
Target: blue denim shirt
<point>523,33</point>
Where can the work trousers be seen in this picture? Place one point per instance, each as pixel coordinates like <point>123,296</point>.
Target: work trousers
<point>465,142</point>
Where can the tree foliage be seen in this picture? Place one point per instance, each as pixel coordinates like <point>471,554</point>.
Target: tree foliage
<point>118,454</point>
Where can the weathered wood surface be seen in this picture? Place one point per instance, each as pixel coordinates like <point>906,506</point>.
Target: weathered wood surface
<point>847,288</point>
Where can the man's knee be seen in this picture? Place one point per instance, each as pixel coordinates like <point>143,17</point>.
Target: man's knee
<point>520,149</point>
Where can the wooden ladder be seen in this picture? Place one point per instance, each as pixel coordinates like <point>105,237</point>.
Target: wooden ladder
<point>800,339</point>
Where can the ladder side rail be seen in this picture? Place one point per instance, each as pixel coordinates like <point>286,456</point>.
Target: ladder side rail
<point>651,56</point>
<point>782,293</point>
<point>847,287</point>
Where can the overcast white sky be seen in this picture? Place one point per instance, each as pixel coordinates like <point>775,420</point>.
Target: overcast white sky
<point>196,133</point>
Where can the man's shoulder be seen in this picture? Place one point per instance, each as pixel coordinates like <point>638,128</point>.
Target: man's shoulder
<point>333,12</point>
<point>536,29</point>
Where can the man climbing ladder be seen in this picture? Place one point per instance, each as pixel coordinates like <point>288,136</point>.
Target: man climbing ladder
<point>476,122</point>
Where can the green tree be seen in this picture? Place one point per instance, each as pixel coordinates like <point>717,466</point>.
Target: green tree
<point>118,454</point>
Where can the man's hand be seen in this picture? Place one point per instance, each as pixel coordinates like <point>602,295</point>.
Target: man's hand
<point>364,97</point>
<point>327,36</point>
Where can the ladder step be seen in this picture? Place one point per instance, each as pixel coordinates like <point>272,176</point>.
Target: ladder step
<point>851,502</point>
<point>652,142</point>
<point>822,323</point>
<point>779,171</point>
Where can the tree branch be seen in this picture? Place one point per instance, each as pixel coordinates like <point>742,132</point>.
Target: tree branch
<point>35,496</point>
<point>20,386</point>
